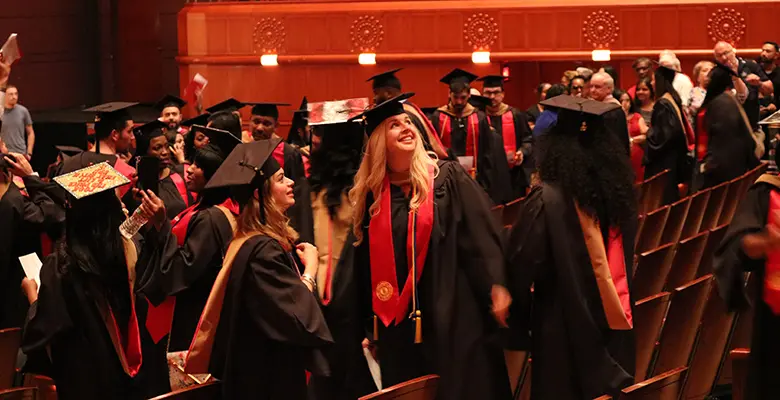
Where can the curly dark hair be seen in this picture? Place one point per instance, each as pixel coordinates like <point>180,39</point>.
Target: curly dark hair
<point>335,163</point>
<point>591,167</point>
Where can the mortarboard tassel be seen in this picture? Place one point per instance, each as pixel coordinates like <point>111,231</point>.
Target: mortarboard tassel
<point>418,327</point>
<point>376,328</point>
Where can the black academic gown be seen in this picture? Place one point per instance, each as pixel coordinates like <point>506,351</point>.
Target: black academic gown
<point>188,272</point>
<point>730,264</point>
<point>460,338</point>
<point>492,169</point>
<point>615,122</point>
<point>270,327</point>
<point>524,142</point>
<point>168,193</point>
<point>300,213</point>
<point>666,149</point>
<point>24,219</point>
<point>65,319</point>
<point>731,148</point>
<point>575,353</point>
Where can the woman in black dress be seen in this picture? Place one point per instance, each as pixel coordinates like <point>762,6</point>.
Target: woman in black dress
<point>428,265</point>
<point>267,319</point>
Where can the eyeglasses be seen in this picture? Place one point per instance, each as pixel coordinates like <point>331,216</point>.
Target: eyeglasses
<point>576,87</point>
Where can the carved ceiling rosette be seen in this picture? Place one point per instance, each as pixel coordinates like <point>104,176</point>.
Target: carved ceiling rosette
<point>600,29</point>
<point>726,24</point>
<point>268,36</point>
<point>480,31</point>
<point>367,34</point>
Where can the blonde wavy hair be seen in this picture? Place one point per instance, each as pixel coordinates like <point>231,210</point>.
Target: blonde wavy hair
<point>373,169</point>
<point>277,224</point>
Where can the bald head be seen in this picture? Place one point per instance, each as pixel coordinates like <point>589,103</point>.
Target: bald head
<point>601,86</point>
<point>725,53</point>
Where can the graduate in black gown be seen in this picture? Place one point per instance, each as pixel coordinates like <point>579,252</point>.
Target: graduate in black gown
<point>195,243</point>
<point>264,123</point>
<point>88,319</point>
<point>751,245</point>
<point>465,130</point>
<point>511,124</point>
<point>172,189</point>
<point>730,148</point>
<point>667,146</point>
<point>428,264</point>
<point>262,325</point>
<point>333,168</point>
<point>582,342</point>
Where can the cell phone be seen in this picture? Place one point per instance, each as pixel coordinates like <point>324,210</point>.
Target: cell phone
<point>149,174</point>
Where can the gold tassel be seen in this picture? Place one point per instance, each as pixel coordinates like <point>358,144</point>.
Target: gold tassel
<point>417,327</point>
<point>376,328</point>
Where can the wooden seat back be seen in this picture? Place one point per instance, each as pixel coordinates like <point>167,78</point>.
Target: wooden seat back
<point>739,364</point>
<point>422,388</point>
<point>511,211</point>
<point>742,334</point>
<point>652,268</point>
<point>649,316</point>
<point>674,224</point>
<point>47,390</point>
<point>10,340</point>
<point>652,192</point>
<point>714,206</point>
<point>695,213</point>
<point>652,228</point>
<point>497,213</point>
<point>733,197</point>
<point>665,386</point>
<point>206,391</point>
<point>682,323</point>
<point>713,242</point>
<point>23,393</point>
<point>686,261</point>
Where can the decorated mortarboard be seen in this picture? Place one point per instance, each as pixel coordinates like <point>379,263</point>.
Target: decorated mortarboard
<point>338,111</point>
<point>375,116</point>
<point>458,75</point>
<point>773,120</point>
<point>145,133</point>
<point>223,140</point>
<point>170,101</point>
<point>68,151</point>
<point>202,119</point>
<point>267,109</point>
<point>246,162</point>
<point>91,180</point>
<point>492,81</point>
<point>385,79</point>
<point>230,104</point>
<point>480,102</point>
<point>576,112</point>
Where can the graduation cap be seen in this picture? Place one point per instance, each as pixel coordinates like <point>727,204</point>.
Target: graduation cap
<point>299,121</point>
<point>575,113</point>
<point>385,79</point>
<point>375,116</point>
<point>202,119</point>
<point>458,75</point>
<point>68,151</point>
<point>230,104</point>
<point>169,101</point>
<point>91,180</point>
<point>267,109</point>
<point>107,116</point>
<point>223,140</point>
<point>246,162</point>
<point>480,102</point>
<point>145,133</point>
<point>489,81</point>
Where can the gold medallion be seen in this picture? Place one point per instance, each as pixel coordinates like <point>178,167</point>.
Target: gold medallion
<point>384,291</point>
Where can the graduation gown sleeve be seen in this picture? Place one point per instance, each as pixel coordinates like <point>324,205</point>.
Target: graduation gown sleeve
<point>666,148</point>
<point>730,151</point>
<point>523,136</point>
<point>42,207</point>
<point>615,121</point>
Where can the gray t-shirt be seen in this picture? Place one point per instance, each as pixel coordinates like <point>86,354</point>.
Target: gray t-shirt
<point>13,132</point>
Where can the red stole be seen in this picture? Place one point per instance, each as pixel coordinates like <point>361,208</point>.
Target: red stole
<point>507,131</point>
<point>771,292</point>
<point>180,223</point>
<point>306,165</point>
<point>472,133</point>
<point>703,138</point>
<point>388,305</point>
<point>181,187</point>
<point>328,292</point>
<point>278,154</point>
<point>129,172</point>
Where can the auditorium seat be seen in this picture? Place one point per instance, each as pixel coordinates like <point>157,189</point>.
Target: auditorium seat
<point>695,215</point>
<point>713,241</point>
<point>422,388</point>
<point>733,197</point>
<point>686,261</point>
<point>739,364</point>
<point>497,213</point>
<point>651,192</point>
<point>523,392</point>
<point>676,220</point>
<point>24,393</point>
<point>714,206</point>
<point>10,340</point>
<point>515,364</point>
<point>649,316</point>
<point>710,350</point>
<point>207,391</point>
<point>652,228</point>
<point>511,210</point>
<point>682,323</point>
<point>45,385</point>
<point>652,268</point>
<point>665,386</point>
<point>743,330</point>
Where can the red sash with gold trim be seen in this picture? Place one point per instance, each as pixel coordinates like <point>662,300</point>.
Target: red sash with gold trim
<point>181,187</point>
<point>388,305</point>
<point>507,131</point>
<point>771,294</point>
<point>472,132</point>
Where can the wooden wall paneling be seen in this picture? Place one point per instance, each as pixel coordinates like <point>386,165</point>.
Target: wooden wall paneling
<point>665,28</point>
<point>511,39</point>
<point>568,30</point>
<point>402,29</point>
<point>761,21</point>
<point>217,34</point>
<point>537,30</point>
<point>449,31</point>
<point>339,40</point>
<point>239,35</point>
<point>635,29</point>
<point>692,33</point>
<point>723,20</point>
<point>423,31</point>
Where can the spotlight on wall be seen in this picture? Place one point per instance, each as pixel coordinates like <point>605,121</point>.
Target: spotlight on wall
<point>480,57</point>
<point>268,60</point>
<point>601,55</point>
<point>367,58</point>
